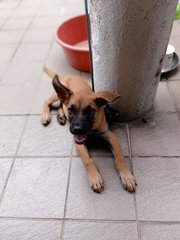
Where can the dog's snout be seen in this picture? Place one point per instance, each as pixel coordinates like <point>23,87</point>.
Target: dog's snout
<point>78,128</point>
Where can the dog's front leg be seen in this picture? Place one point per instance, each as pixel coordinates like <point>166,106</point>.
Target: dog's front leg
<point>94,176</point>
<point>128,180</point>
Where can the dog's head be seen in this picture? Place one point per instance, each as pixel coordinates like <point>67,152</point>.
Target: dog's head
<point>82,109</point>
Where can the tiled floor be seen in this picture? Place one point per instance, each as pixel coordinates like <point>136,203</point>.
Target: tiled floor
<point>44,191</point>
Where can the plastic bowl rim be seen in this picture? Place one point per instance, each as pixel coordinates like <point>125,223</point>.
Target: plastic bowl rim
<point>65,45</point>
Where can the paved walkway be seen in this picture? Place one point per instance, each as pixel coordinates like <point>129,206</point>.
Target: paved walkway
<point>44,191</point>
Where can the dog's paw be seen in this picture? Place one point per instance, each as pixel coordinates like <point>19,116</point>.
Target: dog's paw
<point>46,118</point>
<point>128,181</point>
<point>96,182</point>
<point>61,119</point>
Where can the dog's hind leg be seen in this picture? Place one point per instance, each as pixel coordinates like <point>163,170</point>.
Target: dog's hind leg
<point>46,114</point>
<point>61,118</point>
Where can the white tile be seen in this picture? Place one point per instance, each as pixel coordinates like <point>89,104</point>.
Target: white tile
<point>4,13</point>
<point>22,73</point>
<point>163,100</point>
<point>11,130</point>
<point>114,203</point>
<point>100,231</point>
<point>160,231</point>
<point>44,22</point>
<point>158,190</point>
<point>3,66</point>
<point>2,21</point>
<point>32,52</point>
<point>17,23</point>
<point>53,140</point>
<point>5,164</point>
<point>27,229</point>
<point>8,5</point>
<point>8,37</point>
<point>39,35</point>
<point>175,88</point>
<point>36,188</point>
<point>24,12</point>
<point>56,60</point>
<point>16,99</point>
<point>43,92</point>
<point>7,52</point>
<point>158,137</point>
<point>30,4</point>
<point>49,11</point>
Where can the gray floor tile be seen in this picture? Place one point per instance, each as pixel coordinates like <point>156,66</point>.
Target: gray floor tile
<point>174,40</point>
<point>32,3</point>
<point>77,9</point>
<point>174,75</point>
<point>39,35</point>
<point>26,229</point>
<point>24,12</point>
<point>8,37</point>
<point>36,188</point>
<point>16,99</point>
<point>100,231</point>
<point>158,190</point>
<point>164,100</point>
<point>43,92</point>
<point>53,140</point>
<point>2,21</point>
<point>2,68</point>
<point>17,23</point>
<point>11,130</point>
<point>175,90</point>
<point>50,11</point>
<point>53,3</point>
<point>113,203</point>
<point>175,29</point>
<point>7,51</point>
<point>8,5</point>
<point>23,73</point>
<point>44,22</point>
<point>158,137</point>
<point>56,61</point>
<point>31,52</point>
<point>5,13</point>
<point>162,231</point>
<point>5,164</point>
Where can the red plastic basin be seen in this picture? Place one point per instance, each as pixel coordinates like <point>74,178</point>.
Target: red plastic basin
<point>72,36</point>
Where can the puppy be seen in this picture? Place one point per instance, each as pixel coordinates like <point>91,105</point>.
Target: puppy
<point>84,110</point>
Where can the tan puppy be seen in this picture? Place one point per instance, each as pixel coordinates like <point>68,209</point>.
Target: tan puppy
<point>84,110</point>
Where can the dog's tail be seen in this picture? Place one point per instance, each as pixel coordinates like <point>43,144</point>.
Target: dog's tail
<point>49,72</point>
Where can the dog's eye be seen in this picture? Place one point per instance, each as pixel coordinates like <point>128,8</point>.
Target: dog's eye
<point>71,109</point>
<point>89,110</point>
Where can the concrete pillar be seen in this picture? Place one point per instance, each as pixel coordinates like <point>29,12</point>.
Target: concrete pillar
<point>129,40</point>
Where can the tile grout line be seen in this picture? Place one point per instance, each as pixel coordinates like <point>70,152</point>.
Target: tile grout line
<point>67,192</point>
<point>147,222</point>
<point>26,30</point>
<point>45,60</point>
<point>134,194</point>
<point>174,99</point>
<point>14,159</point>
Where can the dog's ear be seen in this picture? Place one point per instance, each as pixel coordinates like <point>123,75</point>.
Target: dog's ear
<point>62,91</point>
<point>101,98</point>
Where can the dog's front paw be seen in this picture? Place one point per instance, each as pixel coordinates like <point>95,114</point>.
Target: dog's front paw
<point>61,119</point>
<point>96,182</point>
<point>46,118</point>
<point>128,181</point>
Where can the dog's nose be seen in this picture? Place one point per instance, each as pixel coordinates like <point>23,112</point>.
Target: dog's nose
<point>78,128</point>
